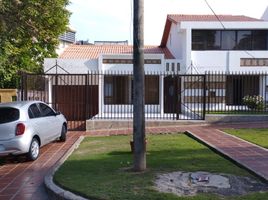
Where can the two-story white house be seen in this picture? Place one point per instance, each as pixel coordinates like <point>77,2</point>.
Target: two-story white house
<point>191,46</point>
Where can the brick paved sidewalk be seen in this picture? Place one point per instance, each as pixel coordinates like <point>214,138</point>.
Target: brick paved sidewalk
<point>246,154</point>
<point>22,180</point>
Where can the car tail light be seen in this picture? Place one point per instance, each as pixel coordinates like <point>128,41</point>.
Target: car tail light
<point>20,129</point>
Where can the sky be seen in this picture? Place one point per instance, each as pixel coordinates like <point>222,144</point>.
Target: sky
<point>111,20</point>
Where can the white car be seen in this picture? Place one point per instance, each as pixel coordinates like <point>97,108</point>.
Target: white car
<point>25,126</point>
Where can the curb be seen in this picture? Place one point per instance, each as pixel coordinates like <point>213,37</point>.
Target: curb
<point>227,155</point>
<point>54,191</point>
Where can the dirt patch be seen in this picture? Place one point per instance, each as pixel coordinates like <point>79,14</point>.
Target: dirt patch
<point>191,183</point>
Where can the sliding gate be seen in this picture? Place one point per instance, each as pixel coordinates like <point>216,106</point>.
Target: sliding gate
<point>76,96</point>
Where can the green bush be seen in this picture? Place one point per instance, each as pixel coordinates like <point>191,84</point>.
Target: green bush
<point>255,102</point>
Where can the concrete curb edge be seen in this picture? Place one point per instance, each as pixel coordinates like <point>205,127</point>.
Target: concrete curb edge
<point>54,191</point>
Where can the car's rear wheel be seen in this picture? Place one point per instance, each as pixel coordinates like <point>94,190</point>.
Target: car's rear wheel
<point>63,133</point>
<point>34,150</point>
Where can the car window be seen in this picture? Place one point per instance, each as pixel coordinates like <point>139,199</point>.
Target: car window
<point>8,114</point>
<point>35,111</point>
<point>46,110</point>
<point>30,113</point>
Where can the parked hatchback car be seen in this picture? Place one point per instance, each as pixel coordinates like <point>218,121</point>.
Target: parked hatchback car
<point>25,126</point>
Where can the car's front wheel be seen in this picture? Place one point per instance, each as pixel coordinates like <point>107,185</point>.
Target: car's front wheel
<point>63,133</point>
<point>34,150</point>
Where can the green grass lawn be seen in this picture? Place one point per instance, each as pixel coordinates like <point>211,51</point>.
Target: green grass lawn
<point>257,136</point>
<point>97,169</point>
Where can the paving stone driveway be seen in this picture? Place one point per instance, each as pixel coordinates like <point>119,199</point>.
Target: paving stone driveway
<point>20,180</point>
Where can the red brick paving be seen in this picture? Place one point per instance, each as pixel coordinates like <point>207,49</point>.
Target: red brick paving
<point>24,180</point>
<point>249,155</point>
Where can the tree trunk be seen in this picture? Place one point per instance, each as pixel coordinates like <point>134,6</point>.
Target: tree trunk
<point>138,70</point>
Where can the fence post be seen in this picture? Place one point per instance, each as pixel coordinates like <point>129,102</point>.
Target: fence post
<point>204,96</point>
<point>86,94</point>
<point>21,85</point>
<point>25,90</point>
<point>207,88</point>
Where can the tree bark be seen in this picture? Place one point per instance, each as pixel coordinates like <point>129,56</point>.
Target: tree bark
<point>138,70</point>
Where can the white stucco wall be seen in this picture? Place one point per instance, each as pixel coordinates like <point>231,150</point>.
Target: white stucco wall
<point>174,42</point>
<point>128,68</point>
<point>72,66</point>
<point>180,40</point>
<point>265,14</point>
<point>228,61</point>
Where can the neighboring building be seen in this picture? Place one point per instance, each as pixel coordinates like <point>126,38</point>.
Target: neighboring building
<point>125,42</point>
<point>8,95</point>
<point>65,40</point>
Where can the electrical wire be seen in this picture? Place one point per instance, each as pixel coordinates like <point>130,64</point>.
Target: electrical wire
<point>214,13</point>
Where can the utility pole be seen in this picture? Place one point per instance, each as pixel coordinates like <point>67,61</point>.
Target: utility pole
<point>138,71</point>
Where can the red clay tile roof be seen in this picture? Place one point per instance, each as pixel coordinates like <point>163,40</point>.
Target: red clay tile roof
<point>93,51</point>
<point>236,18</point>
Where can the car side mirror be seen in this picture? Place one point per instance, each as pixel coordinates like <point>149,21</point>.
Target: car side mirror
<point>58,113</point>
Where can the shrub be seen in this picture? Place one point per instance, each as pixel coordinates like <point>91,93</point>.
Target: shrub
<point>255,102</point>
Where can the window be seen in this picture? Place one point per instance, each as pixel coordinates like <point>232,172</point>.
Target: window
<point>151,89</point>
<point>199,40</point>
<point>9,115</point>
<point>229,39</point>
<point>14,98</point>
<point>167,67</point>
<point>178,67</point>
<point>119,90</point>
<point>34,111</point>
<point>213,40</point>
<point>46,110</point>
<point>259,40</point>
<point>243,40</point>
<point>173,67</point>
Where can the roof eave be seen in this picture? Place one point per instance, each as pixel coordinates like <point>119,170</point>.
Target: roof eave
<point>166,32</point>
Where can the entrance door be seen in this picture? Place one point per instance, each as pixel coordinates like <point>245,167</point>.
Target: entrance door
<point>172,90</point>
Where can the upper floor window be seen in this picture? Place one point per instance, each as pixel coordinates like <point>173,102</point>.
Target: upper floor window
<point>229,39</point>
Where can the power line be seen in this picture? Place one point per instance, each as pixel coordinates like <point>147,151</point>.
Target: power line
<point>214,13</point>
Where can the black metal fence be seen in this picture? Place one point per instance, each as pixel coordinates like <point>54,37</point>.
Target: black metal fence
<point>168,96</point>
<point>236,93</point>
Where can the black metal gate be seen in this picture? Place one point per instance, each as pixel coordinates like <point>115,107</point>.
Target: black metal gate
<point>76,96</point>
<point>185,96</point>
